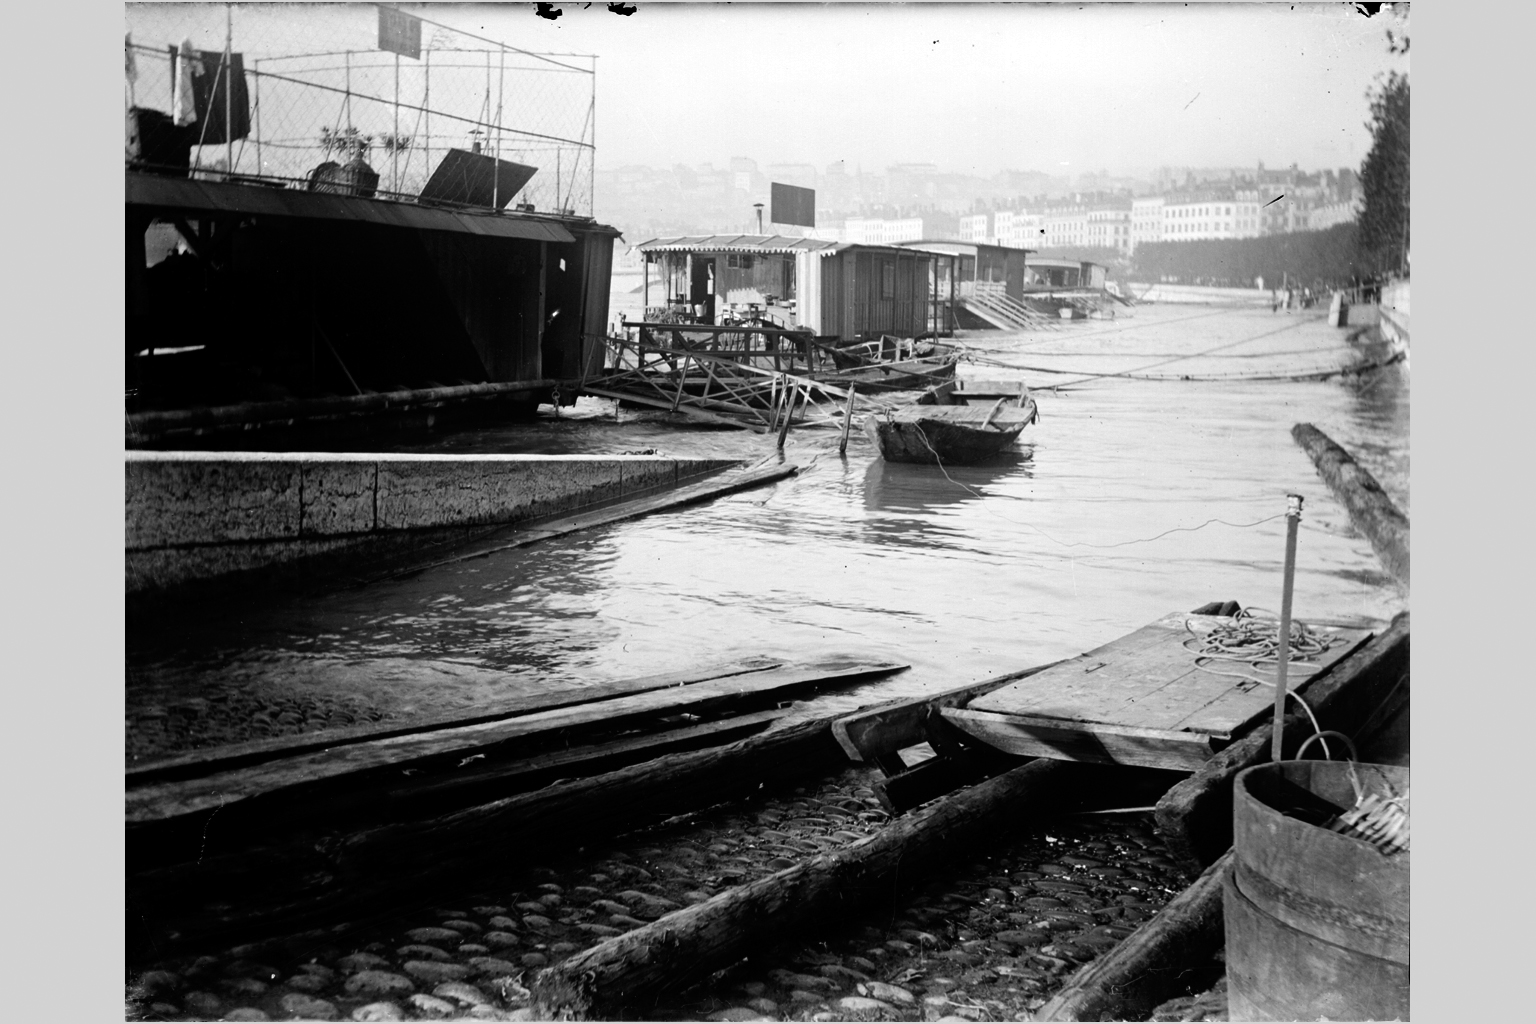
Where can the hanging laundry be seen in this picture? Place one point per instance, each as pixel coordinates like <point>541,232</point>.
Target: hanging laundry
<point>208,90</point>
<point>183,100</point>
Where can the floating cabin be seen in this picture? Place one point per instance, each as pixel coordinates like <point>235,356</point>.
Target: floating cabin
<point>973,263</point>
<point>836,290</point>
<point>1052,275</point>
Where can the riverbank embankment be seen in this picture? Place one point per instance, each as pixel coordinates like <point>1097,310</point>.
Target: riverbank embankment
<point>194,516</point>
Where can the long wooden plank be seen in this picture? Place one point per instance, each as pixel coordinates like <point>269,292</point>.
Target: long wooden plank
<point>237,755</point>
<point>218,892</point>
<point>1150,966</point>
<point>1083,741</point>
<point>865,735</point>
<point>160,801</point>
<point>574,761</point>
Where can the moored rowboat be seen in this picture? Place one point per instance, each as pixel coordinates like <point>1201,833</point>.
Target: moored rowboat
<point>943,433</point>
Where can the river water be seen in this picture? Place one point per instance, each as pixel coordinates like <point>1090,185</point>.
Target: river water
<point>962,573</point>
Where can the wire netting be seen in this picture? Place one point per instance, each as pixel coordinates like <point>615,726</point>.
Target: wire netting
<point>319,89</point>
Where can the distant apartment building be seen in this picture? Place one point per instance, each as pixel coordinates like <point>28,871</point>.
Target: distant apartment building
<point>1146,220</point>
<point>1109,226</point>
<point>974,228</point>
<point>1216,214</point>
<point>880,231</point>
<point>1025,231</point>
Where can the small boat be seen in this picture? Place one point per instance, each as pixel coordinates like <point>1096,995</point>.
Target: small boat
<point>942,428</point>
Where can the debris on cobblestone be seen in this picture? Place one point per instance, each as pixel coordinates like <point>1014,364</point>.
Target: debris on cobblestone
<point>990,940</point>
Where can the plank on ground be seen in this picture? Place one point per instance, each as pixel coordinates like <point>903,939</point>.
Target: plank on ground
<point>167,800</point>
<point>239,754</point>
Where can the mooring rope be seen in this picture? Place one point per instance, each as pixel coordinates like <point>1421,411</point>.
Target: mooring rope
<point>939,461</point>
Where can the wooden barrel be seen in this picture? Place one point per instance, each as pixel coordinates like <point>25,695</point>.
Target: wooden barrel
<point>1317,922</point>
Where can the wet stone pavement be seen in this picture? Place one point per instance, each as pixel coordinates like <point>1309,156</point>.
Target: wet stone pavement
<point>233,713</point>
<point>991,939</point>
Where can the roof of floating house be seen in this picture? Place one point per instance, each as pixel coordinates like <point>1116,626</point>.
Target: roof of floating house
<point>953,247</point>
<point>762,244</point>
<point>1064,264</point>
<point>189,194</point>
<point>783,244</point>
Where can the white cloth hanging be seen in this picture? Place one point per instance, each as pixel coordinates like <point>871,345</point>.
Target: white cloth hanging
<point>184,110</point>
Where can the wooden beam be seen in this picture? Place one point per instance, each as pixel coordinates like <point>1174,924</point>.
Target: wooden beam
<point>1372,512</point>
<point>356,764</point>
<point>227,893</point>
<point>1195,816</point>
<point>239,755</point>
<point>1032,736</point>
<point>1154,963</point>
<point>887,728</point>
<point>690,943</point>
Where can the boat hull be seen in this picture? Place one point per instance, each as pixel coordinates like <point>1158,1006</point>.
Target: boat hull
<point>935,435</point>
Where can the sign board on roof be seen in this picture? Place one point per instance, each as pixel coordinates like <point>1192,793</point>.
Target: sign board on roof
<point>400,33</point>
<point>791,204</point>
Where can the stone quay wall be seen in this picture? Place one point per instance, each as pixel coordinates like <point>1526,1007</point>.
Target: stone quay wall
<point>197,515</point>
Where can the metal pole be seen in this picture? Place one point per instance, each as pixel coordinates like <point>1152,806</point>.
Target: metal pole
<point>426,96</point>
<point>501,90</point>
<point>592,161</point>
<point>1292,518</point>
<point>349,89</point>
<point>394,149</point>
<point>229,89</point>
<point>261,166</point>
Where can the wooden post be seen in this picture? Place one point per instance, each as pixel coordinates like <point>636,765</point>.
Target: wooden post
<point>842,443</point>
<point>682,378</point>
<point>1292,519</point>
<point>789,414</point>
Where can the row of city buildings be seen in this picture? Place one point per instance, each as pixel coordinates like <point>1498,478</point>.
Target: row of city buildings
<point>1266,203</point>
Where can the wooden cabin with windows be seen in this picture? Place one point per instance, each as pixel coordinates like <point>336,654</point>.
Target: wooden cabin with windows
<point>836,290</point>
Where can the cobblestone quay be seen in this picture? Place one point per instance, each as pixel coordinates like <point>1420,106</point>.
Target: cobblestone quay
<point>990,940</point>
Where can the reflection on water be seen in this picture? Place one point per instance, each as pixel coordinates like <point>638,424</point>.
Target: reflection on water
<point>981,571</point>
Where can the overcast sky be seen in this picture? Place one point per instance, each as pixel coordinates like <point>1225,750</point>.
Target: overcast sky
<point>973,88</point>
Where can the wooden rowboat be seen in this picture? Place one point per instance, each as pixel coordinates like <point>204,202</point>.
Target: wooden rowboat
<point>944,433</point>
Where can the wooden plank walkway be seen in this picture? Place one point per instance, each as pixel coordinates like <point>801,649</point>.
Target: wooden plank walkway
<point>1139,700</point>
